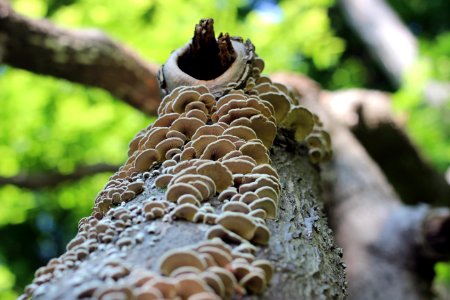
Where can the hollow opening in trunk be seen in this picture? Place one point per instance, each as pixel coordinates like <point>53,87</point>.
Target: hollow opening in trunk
<point>207,58</point>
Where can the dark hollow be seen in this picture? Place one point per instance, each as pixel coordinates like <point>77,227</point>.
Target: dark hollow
<point>207,58</point>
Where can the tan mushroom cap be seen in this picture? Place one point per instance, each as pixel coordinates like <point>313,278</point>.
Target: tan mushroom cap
<point>197,105</point>
<point>265,169</point>
<point>134,143</point>
<point>189,285</point>
<point>188,199</point>
<point>200,143</point>
<point>166,286</point>
<point>146,159</point>
<point>255,282</point>
<point>264,128</point>
<point>204,296</point>
<point>183,99</point>
<point>198,177</point>
<point>186,270</point>
<point>266,191</point>
<point>217,150</point>
<point>238,166</point>
<point>174,133</point>
<point>218,231</point>
<point>214,282</point>
<point>185,211</point>
<point>242,132</point>
<point>238,223</point>
<point>301,120</point>
<point>266,204</point>
<point>187,126</point>
<point>266,266</point>
<point>221,176</point>
<point>165,120</point>
<point>198,114</point>
<point>179,189</point>
<point>228,279</point>
<point>227,194</point>
<point>256,151</point>
<point>262,235</point>
<point>234,153</point>
<point>221,257</point>
<point>280,102</point>
<point>208,99</point>
<point>153,137</point>
<point>258,213</point>
<point>234,206</point>
<point>227,98</point>
<point>177,258</point>
<point>168,144</point>
<point>213,129</point>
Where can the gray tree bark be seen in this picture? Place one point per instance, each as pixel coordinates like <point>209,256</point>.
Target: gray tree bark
<point>308,265</point>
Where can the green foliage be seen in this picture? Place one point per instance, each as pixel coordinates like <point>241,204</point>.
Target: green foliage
<point>53,125</point>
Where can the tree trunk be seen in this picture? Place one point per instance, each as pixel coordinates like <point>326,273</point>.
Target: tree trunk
<point>122,248</point>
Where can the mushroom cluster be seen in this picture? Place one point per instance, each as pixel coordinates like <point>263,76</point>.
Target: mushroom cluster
<point>209,153</point>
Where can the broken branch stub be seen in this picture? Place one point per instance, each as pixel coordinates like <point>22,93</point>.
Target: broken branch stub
<point>143,238</point>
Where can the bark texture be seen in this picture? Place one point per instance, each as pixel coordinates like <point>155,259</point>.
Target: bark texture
<point>82,56</point>
<point>307,263</point>
<point>389,248</point>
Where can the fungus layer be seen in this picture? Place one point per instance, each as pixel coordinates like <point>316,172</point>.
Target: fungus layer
<point>209,151</point>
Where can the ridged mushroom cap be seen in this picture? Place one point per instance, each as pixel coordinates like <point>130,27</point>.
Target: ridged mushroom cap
<point>221,176</point>
<point>280,103</point>
<point>146,159</point>
<point>165,120</point>
<point>185,211</point>
<point>238,223</point>
<point>301,120</point>
<point>234,206</point>
<point>167,144</point>
<point>189,285</point>
<point>242,132</point>
<point>238,166</point>
<point>179,189</point>
<point>177,258</point>
<point>201,142</point>
<point>262,235</point>
<point>213,129</point>
<point>187,126</point>
<point>256,151</point>
<point>217,150</point>
<point>183,99</point>
<point>266,204</point>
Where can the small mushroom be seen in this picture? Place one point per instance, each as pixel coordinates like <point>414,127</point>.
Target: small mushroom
<point>208,130</point>
<point>266,204</point>
<point>238,223</point>
<point>177,258</point>
<point>221,176</point>
<point>146,159</point>
<point>217,150</point>
<point>179,189</point>
<point>187,126</point>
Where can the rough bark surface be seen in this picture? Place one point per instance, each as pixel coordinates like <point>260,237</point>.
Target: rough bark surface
<point>82,56</point>
<point>389,248</point>
<point>307,263</point>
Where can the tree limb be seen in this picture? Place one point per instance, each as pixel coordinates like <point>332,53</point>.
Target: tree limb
<point>369,116</point>
<point>37,181</point>
<point>389,248</point>
<point>82,56</point>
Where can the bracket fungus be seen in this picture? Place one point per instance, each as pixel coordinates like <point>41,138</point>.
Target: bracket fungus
<point>209,147</point>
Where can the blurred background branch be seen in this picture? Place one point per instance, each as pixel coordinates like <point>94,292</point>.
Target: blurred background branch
<point>51,179</point>
<point>83,56</point>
